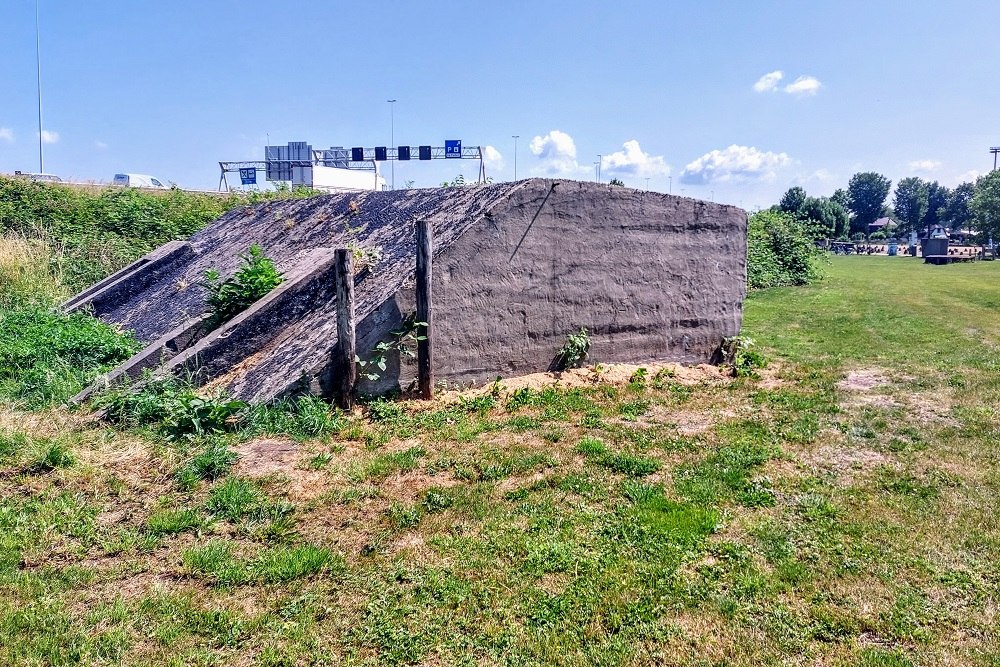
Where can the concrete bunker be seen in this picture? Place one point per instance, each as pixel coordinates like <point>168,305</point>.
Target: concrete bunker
<point>517,267</point>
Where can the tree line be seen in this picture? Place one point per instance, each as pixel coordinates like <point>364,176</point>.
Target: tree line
<point>916,205</point>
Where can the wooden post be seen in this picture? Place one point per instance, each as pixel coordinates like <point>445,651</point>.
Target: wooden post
<point>425,372</point>
<point>344,366</point>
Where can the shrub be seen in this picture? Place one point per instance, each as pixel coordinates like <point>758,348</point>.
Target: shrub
<point>780,251</point>
<point>100,232</point>
<point>574,351</point>
<point>47,357</point>
<point>254,279</point>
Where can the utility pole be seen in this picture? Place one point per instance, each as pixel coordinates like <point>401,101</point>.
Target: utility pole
<point>392,137</point>
<point>647,184</point>
<point>38,65</point>
<point>515,136</point>
<point>995,150</point>
<point>600,158</point>
<point>670,179</point>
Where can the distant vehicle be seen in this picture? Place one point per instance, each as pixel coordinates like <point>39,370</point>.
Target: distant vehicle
<point>139,181</point>
<point>41,178</point>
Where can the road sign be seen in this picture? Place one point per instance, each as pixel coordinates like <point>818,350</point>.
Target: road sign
<point>453,148</point>
<point>248,176</point>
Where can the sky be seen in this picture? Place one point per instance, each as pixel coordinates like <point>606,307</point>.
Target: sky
<point>729,101</point>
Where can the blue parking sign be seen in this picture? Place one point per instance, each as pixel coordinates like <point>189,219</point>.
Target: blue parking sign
<point>248,176</point>
<point>453,148</point>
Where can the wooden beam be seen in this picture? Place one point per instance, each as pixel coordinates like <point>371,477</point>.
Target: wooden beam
<point>344,366</point>
<point>425,371</point>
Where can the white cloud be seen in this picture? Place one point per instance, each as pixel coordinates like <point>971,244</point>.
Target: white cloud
<point>804,85</point>
<point>7,134</point>
<point>557,153</point>
<point>967,177</point>
<point>492,158</point>
<point>924,165</point>
<point>100,145</point>
<point>49,137</point>
<point>736,163</point>
<point>632,161</point>
<point>768,82</point>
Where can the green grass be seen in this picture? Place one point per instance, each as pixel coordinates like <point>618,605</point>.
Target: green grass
<point>766,520</point>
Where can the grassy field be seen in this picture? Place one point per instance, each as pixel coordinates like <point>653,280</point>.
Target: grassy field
<point>839,509</point>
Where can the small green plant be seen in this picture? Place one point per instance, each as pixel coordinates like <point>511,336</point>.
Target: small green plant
<point>738,353</point>
<point>236,498</point>
<point>575,351</point>
<point>171,522</point>
<point>400,341</point>
<point>213,462</point>
<point>254,279</point>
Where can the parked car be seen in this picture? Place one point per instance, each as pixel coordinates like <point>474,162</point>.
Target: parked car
<point>41,178</point>
<point>139,181</point>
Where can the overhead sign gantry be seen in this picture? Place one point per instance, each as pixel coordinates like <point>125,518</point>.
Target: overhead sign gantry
<point>294,161</point>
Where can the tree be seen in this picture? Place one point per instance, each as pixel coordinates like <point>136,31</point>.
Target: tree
<point>910,203</point>
<point>937,202</point>
<point>617,182</point>
<point>841,197</point>
<point>827,218</point>
<point>956,213</point>
<point>792,200</point>
<point>866,194</point>
<point>985,205</point>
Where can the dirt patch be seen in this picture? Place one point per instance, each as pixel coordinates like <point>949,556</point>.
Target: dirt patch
<point>864,379</point>
<point>845,462</point>
<point>410,485</point>
<point>932,408</point>
<point>599,374</point>
<point>266,456</point>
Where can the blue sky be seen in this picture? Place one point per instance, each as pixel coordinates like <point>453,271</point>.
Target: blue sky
<point>678,93</point>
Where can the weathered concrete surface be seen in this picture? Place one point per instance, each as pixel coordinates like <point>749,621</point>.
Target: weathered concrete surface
<point>651,277</point>
<point>518,266</point>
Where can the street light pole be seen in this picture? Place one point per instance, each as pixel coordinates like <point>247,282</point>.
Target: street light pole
<point>647,184</point>
<point>515,136</point>
<point>600,158</point>
<point>671,180</point>
<point>38,65</point>
<point>392,137</point>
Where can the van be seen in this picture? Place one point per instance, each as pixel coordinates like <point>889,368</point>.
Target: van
<point>139,181</point>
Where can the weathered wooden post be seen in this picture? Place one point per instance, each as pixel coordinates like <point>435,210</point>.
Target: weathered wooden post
<point>344,366</point>
<point>425,372</point>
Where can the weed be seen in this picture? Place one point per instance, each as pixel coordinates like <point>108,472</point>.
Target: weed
<point>384,465</point>
<point>628,464</point>
<point>255,277</point>
<point>401,341</point>
<point>574,351</point>
<point>170,522</point>
<point>236,498</point>
<point>288,563</point>
<point>213,462</point>
<point>592,447</point>
<point>56,455</point>
<point>404,516</point>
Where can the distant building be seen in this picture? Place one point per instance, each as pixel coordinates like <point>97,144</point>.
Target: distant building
<point>880,225</point>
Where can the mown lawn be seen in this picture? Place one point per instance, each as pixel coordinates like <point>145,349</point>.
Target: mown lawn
<point>839,509</point>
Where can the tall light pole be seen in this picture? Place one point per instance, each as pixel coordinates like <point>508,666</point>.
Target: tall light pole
<point>38,65</point>
<point>671,186</point>
<point>392,137</point>
<point>647,183</point>
<point>600,159</point>
<point>995,150</point>
<point>515,136</point>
